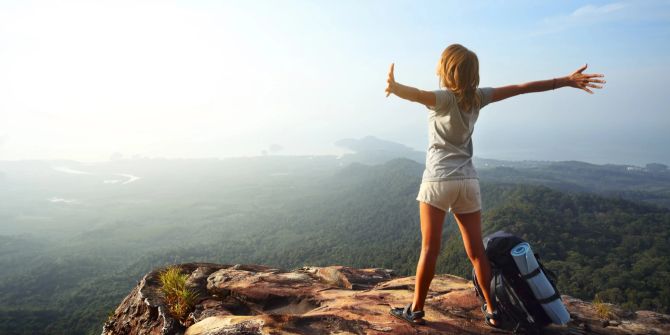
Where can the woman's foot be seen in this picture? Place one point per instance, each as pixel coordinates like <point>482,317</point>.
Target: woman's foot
<point>419,314</point>
<point>490,316</point>
<point>406,314</point>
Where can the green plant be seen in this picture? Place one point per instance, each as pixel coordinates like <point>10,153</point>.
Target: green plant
<point>178,297</point>
<point>110,314</point>
<point>603,309</point>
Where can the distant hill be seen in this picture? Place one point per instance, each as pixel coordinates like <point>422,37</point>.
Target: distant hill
<point>649,184</point>
<point>372,150</point>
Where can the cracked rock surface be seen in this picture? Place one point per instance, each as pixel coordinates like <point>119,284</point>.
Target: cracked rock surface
<point>260,300</point>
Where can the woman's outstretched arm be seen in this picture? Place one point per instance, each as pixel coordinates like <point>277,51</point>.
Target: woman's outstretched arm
<point>576,79</point>
<point>407,92</point>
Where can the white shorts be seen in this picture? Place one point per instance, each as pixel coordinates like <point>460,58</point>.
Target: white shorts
<point>460,196</point>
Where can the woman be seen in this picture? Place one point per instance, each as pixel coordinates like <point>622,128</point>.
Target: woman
<point>449,181</point>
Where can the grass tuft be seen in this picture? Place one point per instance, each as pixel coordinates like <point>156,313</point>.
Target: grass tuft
<point>603,309</point>
<point>178,297</point>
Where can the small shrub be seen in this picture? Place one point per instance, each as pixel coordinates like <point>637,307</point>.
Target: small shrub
<point>603,309</point>
<point>110,314</point>
<point>178,297</point>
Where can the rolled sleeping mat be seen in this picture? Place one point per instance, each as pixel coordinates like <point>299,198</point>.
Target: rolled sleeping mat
<point>542,289</point>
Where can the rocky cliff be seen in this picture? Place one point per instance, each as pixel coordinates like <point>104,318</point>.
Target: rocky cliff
<point>255,299</point>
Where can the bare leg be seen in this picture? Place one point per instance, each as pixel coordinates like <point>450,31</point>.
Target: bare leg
<point>432,219</point>
<point>470,225</point>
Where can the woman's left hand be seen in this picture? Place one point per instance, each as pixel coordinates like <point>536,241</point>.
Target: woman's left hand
<point>583,81</point>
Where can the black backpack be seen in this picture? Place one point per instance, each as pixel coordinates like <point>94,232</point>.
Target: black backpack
<point>519,311</point>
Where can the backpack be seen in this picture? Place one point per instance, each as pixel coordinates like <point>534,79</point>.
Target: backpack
<point>519,310</point>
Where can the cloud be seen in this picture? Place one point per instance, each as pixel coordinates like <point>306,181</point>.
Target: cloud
<point>590,15</point>
<point>591,10</point>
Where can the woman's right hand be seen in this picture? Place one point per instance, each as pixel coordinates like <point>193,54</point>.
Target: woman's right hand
<point>583,81</point>
<point>390,82</point>
<point>410,93</point>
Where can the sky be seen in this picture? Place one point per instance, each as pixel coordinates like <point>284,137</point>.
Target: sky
<point>92,80</point>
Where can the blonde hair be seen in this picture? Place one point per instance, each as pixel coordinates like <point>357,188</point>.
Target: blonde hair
<point>458,70</point>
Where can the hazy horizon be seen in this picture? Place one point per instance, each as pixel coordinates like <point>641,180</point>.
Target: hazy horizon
<point>121,156</point>
<point>200,79</point>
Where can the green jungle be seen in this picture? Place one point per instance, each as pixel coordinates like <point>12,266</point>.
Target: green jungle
<point>76,238</point>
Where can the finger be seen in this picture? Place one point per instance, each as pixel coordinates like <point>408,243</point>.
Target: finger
<point>594,85</point>
<point>587,90</point>
<point>391,71</point>
<point>597,81</point>
<point>594,75</point>
<point>582,68</point>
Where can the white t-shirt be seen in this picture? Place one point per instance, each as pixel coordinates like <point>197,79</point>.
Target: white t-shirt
<point>449,154</point>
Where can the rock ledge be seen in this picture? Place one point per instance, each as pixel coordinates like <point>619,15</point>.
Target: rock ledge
<point>253,299</point>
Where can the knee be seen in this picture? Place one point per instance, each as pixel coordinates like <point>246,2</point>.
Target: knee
<point>430,252</point>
